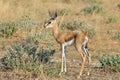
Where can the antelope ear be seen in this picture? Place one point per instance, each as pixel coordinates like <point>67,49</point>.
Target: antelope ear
<point>55,15</point>
<point>50,14</point>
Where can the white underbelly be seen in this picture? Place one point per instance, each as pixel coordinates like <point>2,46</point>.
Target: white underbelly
<point>71,42</point>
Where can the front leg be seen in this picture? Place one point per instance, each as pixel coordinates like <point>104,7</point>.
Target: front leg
<point>63,59</point>
<point>65,69</point>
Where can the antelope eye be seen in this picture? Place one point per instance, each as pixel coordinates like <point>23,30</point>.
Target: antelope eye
<point>49,22</point>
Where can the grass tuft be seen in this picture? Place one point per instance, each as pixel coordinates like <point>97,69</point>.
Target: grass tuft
<point>94,8</point>
<point>111,19</point>
<point>110,62</point>
<point>118,5</point>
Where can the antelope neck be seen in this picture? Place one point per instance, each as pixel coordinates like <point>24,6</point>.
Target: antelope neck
<point>55,29</point>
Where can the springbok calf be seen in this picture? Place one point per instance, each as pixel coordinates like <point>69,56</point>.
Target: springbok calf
<point>67,38</point>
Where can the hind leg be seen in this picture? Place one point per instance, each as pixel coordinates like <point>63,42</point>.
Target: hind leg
<point>85,50</point>
<point>89,64</point>
<point>88,56</point>
<point>83,60</point>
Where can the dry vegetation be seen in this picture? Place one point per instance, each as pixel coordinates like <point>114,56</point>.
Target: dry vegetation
<point>100,18</point>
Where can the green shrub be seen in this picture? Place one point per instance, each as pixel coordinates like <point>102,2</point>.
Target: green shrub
<point>118,5</point>
<point>42,35</point>
<point>7,29</point>
<point>51,71</point>
<point>78,25</point>
<point>44,55</point>
<point>92,1</point>
<point>3,44</point>
<point>94,8</point>
<point>26,55</point>
<point>110,62</point>
<point>63,11</point>
<point>111,19</point>
<point>66,1</point>
<point>117,35</point>
<point>26,21</point>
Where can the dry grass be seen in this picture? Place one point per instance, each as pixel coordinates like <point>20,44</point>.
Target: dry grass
<point>12,10</point>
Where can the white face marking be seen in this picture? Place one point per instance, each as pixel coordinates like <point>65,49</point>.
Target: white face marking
<point>50,24</point>
<point>71,42</point>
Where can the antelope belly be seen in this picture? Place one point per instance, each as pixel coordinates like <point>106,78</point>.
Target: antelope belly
<point>71,42</point>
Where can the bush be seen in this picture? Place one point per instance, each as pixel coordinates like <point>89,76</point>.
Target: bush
<point>66,1</point>
<point>118,5</point>
<point>92,1</point>
<point>7,29</point>
<point>42,35</point>
<point>117,35</point>
<point>26,55</point>
<point>51,71</point>
<point>78,25</point>
<point>111,19</point>
<point>25,22</point>
<point>110,62</point>
<point>63,11</point>
<point>94,8</point>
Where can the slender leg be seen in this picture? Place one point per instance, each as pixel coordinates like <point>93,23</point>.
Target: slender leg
<point>83,60</point>
<point>63,58</point>
<point>85,50</point>
<point>89,63</point>
<point>82,67</point>
<point>89,60</point>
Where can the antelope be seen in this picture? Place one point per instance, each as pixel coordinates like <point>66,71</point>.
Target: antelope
<point>66,38</point>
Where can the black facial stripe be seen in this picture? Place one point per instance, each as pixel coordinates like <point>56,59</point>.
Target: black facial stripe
<point>47,23</point>
<point>52,19</point>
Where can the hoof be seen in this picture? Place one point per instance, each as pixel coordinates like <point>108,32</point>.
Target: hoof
<point>62,73</point>
<point>88,73</point>
<point>78,77</point>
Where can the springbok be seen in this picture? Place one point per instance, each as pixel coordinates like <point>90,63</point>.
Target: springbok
<point>67,38</point>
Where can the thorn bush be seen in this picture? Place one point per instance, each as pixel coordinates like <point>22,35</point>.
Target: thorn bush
<point>26,55</point>
<point>111,19</point>
<point>93,8</point>
<point>118,5</point>
<point>7,29</point>
<point>110,62</point>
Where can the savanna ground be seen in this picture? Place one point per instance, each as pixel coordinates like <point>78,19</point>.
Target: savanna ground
<point>104,19</point>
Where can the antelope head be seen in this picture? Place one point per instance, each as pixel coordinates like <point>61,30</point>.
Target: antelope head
<point>51,21</point>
